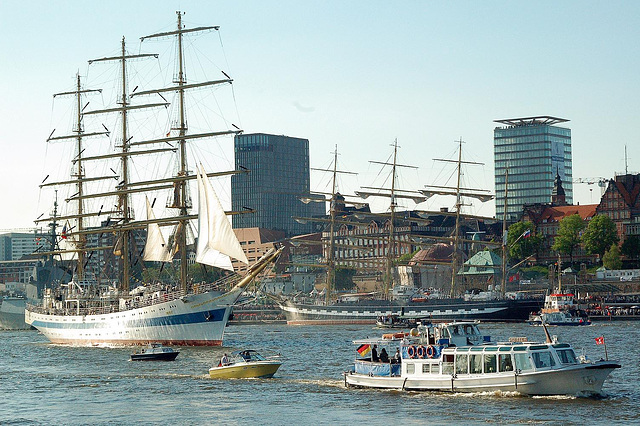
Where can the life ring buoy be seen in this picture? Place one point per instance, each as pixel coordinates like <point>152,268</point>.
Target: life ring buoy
<point>431,351</point>
<point>411,351</point>
<point>421,351</point>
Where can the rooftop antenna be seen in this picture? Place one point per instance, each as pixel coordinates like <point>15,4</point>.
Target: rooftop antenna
<point>626,164</point>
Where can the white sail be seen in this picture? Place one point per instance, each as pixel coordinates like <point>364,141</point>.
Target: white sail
<point>156,248</point>
<point>67,247</point>
<point>216,239</point>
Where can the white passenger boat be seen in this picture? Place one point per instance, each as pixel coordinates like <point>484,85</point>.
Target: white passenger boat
<point>455,357</point>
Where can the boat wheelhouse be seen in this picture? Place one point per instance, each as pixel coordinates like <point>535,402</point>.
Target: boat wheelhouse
<point>455,357</point>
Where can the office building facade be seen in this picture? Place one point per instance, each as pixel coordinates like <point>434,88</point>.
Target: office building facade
<point>279,175</point>
<point>534,150</point>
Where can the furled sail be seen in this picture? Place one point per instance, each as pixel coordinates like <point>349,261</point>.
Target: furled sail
<point>216,239</point>
<point>156,248</point>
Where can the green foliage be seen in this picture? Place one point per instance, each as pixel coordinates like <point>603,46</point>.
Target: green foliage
<point>568,237</point>
<point>600,234</point>
<point>534,272</point>
<point>166,274</point>
<point>344,279</point>
<point>519,247</point>
<point>405,258</point>
<point>198,273</point>
<point>631,247</point>
<point>611,258</point>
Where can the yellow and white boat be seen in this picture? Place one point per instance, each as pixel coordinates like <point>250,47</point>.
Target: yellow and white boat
<point>247,364</point>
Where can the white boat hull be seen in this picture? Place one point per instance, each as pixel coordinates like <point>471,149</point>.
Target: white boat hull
<point>581,379</point>
<point>194,320</point>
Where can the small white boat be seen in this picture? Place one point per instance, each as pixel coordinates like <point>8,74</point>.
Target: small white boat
<point>558,318</point>
<point>559,309</point>
<point>155,352</point>
<point>455,357</point>
<point>247,364</point>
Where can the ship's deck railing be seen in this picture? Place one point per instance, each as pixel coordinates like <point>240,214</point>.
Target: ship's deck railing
<point>146,299</point>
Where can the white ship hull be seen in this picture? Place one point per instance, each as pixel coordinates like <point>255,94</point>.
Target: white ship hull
<point>583,379</point>
<point>193,320</point>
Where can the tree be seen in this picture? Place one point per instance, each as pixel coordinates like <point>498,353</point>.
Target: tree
<point>631,247</point>
<point>201,273</point>
<point>600,234</point>
<point>568,238</point>
<point>611,258</point>
<point>344,278</point>
<point>519,246</point>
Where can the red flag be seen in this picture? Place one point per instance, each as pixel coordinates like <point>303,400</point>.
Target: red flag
<point>600,340</point>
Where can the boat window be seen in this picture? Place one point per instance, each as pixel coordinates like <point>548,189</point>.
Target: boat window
<point>475,364</point>
<point>523,363</point>
<point>435,368</point>
<point>461,364</point>
<point>543,359</point>
<point>445,333</point>
<point>411,368</point>
<point>426,368</point>
<point>447,364</point>
<point>505,349</point>
<point>567,356</point>
<point>505,363</point>
<point>489,363</point>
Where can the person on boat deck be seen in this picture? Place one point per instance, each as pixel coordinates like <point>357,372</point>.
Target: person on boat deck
<point>224,360</point>
<point>384,357</point>
<point>374,354</point>
<point>396,357</point>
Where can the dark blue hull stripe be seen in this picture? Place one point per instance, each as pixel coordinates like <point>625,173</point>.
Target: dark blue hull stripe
<point>182,319</point>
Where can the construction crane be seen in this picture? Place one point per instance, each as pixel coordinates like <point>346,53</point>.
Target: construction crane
<point>600,181</point>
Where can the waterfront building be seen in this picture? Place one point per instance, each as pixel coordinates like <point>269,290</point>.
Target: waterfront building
<point>621,202</point>
<point>534,150</point>
<point>15,245</point>
<point>255,243</point>
<point>278,176</point>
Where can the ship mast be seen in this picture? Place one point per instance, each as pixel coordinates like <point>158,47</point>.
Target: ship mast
<point>78,176</point>
<point>181,197</point>
<point>393,193</point>
<point>122,247</point>
<point>458,192</point>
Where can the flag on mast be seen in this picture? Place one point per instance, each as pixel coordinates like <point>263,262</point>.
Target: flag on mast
<point>599,340</point>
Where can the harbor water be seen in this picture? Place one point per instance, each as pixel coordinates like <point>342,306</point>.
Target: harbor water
<point>42,383</point>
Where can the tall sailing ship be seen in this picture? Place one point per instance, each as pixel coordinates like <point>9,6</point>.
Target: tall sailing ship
<point>94,310</point>
<point>494,306</point>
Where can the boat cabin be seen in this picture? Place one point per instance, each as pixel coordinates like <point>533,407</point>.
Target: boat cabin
<point>492,359</point>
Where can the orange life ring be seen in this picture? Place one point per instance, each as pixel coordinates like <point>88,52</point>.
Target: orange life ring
<point>421,351</point>
<point>431,351</point>
<point>411,351</point>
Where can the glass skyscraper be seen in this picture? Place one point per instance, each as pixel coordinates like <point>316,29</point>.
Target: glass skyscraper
<point>533,149</point>
<point>279,175</point>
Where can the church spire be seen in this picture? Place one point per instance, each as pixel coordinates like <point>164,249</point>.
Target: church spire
<point>558,197</point>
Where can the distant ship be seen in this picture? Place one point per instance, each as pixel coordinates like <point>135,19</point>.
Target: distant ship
<point>92,310</point>
<point>490,306</point>
<point>12,313</point>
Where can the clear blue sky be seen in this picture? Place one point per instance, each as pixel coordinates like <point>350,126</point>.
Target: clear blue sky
<point>358,74</point>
